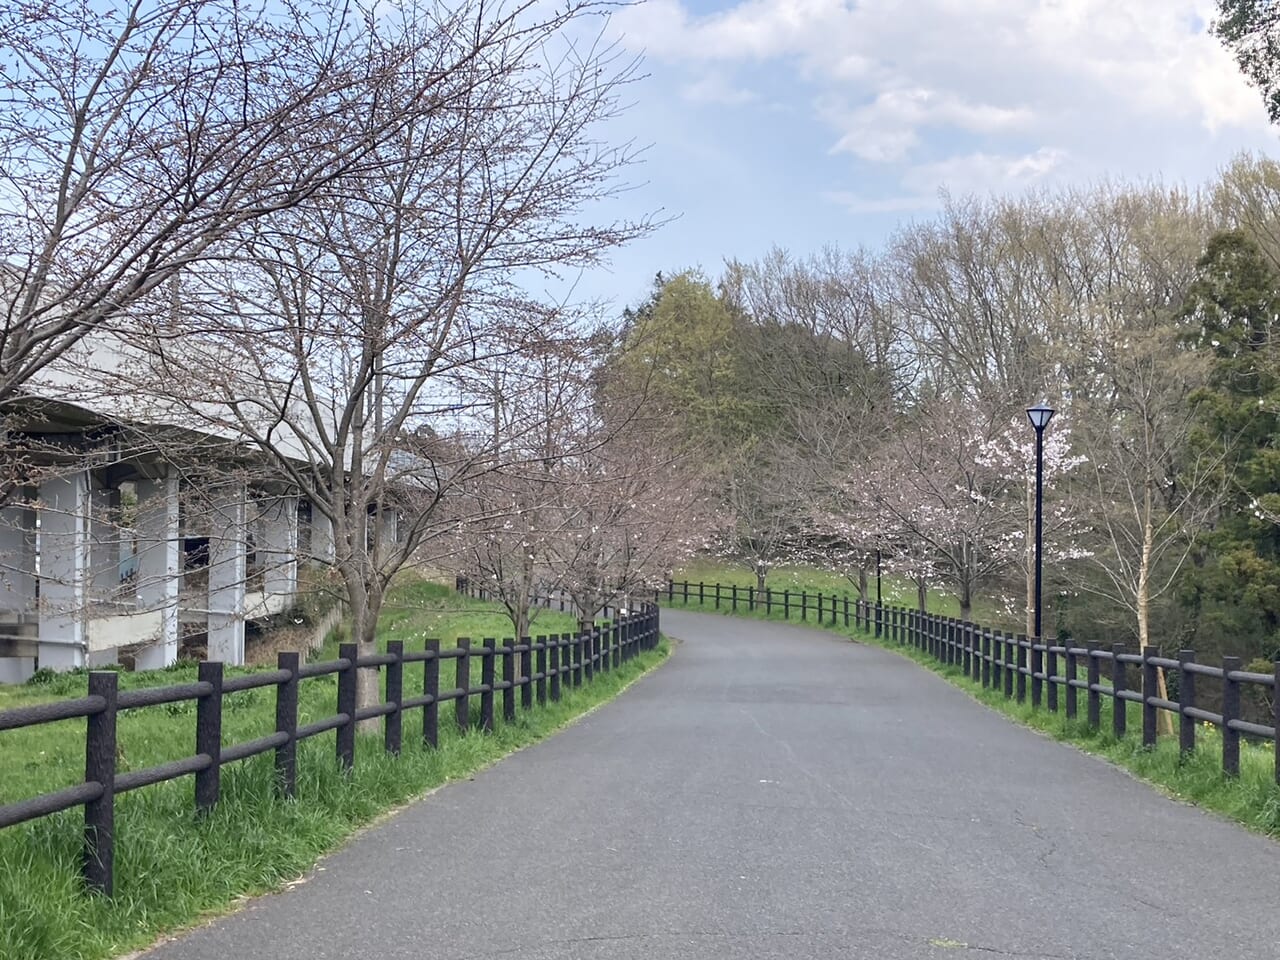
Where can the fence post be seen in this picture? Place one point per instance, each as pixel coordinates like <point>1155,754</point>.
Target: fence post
<point>1093,675</point>
<point>1149,687</point>
<point>582,672</point>
<point>393,723</point>
<point>209,737</point>
<point>717,594</point>
<point>1069,668</point>
<point>846,613</point>
<point>701,587</point>
<point>346,735</point>
<point>733,593</point>
<point>488,661</point>
<point>751,597</point>
<point>1022,656</point>
<point>509,679</point>
<point>975,645</point>
<point>100,767</point>
<point>986,658</point>
<point>431,688</point>
<point>287,723</point>
<point>586,629</point>
<point>768,601</point>
<point>1051,671</point>
<point>1275,716</point>
<point>1230,711</point>
<point>541,669</point>
<point>526,673</point>
<point>671,591</point>
<point>879,620</point>
<point>615,641</point>
<point>553,667</point>
<point>786,604</point>
<point>820,608</point>
<point>1119,680</point>
<point>1037,672</point>
<point>1186,698</point>
<point>1009,664</point>
<point>462,706</point>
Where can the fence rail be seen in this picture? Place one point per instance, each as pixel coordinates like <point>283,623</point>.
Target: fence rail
<point>535,668</point>
<point>1011,663</point>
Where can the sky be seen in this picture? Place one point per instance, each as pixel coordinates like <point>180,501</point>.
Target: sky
<point>804,123</point>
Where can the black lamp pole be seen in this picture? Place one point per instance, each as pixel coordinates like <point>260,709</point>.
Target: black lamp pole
<point>879,607</point>
<point>1039,417</point>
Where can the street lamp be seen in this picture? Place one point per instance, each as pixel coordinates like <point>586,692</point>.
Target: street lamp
<point>879,606</point>
<point>1039,416</point>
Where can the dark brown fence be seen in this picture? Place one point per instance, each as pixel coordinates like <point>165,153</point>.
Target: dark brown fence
<point>535,668</point>
<point>819,607</point>
<point>1056,673</point>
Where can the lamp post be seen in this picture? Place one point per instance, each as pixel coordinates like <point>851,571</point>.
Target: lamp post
<point>1039,416</point>
<point>879,607</point>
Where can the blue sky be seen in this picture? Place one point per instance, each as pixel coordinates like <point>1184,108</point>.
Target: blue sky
<point>801,123</point>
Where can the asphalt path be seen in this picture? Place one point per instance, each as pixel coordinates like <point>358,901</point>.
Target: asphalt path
<point>778,792</point>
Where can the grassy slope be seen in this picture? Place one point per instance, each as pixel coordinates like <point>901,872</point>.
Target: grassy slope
<point>172,869</point>
<point>1253,799</point>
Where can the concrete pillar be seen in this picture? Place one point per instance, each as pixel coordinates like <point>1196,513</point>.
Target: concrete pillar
<point>17,593</point>
<point>104,544</point>
<point>63,546</point>
<point>279,546</point>
<point>16,669</point>
<point>389,527</point>
<point>322,545</point>
<point>159,566</point>
<point>17,562</point>
<point>227,534</point>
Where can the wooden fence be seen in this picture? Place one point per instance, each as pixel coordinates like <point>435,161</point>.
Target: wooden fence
<point>1056,673</point>
<point>534,668</point>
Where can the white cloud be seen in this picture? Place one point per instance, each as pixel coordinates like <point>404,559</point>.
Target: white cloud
<point>855,203</point>
<point>715,88</point>
<point>984,172</point>
<point>982,93</point>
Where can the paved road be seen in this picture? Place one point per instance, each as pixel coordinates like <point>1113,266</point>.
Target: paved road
<point>775,792</point>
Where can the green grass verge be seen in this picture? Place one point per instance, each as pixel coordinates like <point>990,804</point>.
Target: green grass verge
<point>1253,799</point>
<point>173,869</point>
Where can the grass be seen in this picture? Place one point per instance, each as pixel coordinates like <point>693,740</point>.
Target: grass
<point>1252,799</point>
<point>173,869</point>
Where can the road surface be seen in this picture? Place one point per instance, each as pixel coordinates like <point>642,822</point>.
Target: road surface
<point>777,792</point>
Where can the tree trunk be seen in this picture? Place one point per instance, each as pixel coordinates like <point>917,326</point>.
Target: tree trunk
<point>966,601</point>
<point>862,584</point>
<point>761,573</point>
<point>922,596</point>
<point>368,688</point>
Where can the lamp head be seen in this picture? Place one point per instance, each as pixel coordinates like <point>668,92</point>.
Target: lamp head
<point>1040,415</point>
